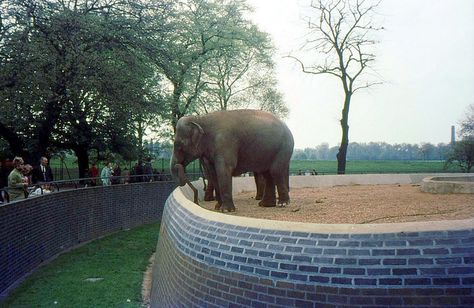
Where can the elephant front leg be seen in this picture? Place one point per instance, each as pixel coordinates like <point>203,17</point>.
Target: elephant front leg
<point>224,188</point>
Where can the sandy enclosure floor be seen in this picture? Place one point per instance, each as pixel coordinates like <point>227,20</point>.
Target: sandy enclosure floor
<point>359,204</point>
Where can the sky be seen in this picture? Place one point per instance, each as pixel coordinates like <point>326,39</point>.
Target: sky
<point>425,59</point>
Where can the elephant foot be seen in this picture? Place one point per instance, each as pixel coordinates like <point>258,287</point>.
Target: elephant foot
<point>258,197</point>
<point>209,198</point>
<point>264,203</point>
<point>283,204</point>
<point>227,207</point>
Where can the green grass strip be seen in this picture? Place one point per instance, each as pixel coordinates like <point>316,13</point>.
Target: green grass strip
<point>107,272</point>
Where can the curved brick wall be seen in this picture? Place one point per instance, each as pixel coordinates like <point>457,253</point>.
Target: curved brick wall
<point>207,259</point>
<point>35,230</point>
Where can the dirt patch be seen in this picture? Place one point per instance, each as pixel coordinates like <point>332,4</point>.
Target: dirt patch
<point>359,204</point>
<point>146,284</point>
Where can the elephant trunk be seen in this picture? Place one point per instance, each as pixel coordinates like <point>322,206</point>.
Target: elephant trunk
<point>177,172</point>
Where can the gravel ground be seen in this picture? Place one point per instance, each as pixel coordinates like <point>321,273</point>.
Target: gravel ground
<point>359,204</point>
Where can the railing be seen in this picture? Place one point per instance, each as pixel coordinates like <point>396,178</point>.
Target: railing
<point>55,186</point>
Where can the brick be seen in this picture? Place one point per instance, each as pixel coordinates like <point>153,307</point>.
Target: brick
<point>303,304</point>
<point>299,277</point>
<point>311,250</point>
<point>370,261</point>
<point>345,261</point>
<point>353,271</point>
<point>349,244</point>
<point>435,251</point>
<point>420,261</point>
<point>270,264</point>
<point>319,235</point>
<point>306,242</point>
<point>320,279</point>
<point>337,299</point>
<point>432,271</point>
<point>390,301</point>
<point>287,266</point>
<point>308,268</point>
<point>294,249</point>
<point>365,282</point>
<point>263,272</point>
<point>459,291</point>
<point>445,301</point>
<point>416,301</point>
<point>417,281</point>
<point>446,281</point>
<point>468,281</point>
<point>295,294</point>
<point>453,260</point>
<point>288,240</point>
<point>468,260</point>
<point>383,252</point>
<point>327,243</point>
<point>461,270</point>
<point>404,271</point>
<point>408,252</point>
<point>330,270</point>
<point>395,243</point>
<point>378,271</point>
<point>358,252</point>
<point>281,256</point>
<point>302,259</point>
<point>277,292</point>
<point>462,250</point>
<point>361,300</point>
<point>266,254</point>
<point>420,242</point>
<point>390,281</point>
<point>278,274</point>
<point>335,251</point>
<point>372,244</point>
<point>394,262</point>
<point>300,234</point>
<point>341,280</point>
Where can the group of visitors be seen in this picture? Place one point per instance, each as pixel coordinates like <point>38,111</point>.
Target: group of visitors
<point>113,174</point>
<point>18,178</point>
<point>24,175</point>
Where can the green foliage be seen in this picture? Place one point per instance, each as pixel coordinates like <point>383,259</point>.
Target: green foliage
<point>462,155</point>
<point>372,166</point>
<point>119,259</point>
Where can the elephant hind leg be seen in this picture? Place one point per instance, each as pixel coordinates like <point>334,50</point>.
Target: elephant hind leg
<point>260,183</point>
<point>269,197</point>
<point>280,174</point>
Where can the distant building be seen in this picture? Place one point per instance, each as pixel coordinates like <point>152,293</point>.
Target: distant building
<point>453,135</point>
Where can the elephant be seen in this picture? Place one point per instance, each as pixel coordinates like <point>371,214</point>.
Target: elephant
<point>230,143</point>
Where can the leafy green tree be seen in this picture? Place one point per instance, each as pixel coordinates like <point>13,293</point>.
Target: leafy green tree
<point>462,154</point>
<point>78,80</point>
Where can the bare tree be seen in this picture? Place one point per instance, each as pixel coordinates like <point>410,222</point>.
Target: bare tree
<point>341,36</point>
<point>467,124</point>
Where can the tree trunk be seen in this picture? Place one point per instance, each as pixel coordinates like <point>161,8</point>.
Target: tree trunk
<point>82,160</point>
<point>341,155</point>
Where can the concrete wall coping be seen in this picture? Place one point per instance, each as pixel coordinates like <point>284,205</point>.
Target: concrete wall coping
<point>183,196</point>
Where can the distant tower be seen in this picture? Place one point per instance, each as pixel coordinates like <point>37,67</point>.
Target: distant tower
<point>453,135</point>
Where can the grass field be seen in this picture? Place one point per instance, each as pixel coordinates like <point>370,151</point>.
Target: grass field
<point>107,272</point>
<point>322,167</point>
<point>373,166</point>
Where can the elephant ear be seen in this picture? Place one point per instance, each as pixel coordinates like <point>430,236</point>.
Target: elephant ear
<point>196,134</point>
